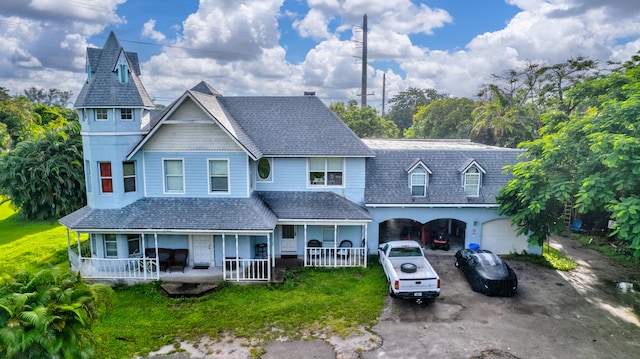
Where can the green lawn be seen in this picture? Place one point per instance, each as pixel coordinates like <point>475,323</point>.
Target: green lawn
<point>141,320</point>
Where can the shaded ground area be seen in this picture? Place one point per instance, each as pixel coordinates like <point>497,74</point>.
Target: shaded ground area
<point>579,314</point>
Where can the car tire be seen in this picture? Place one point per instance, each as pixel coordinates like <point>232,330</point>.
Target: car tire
<point>446,247</point>
<point>433,246</point>
<point>408,268</point>
<point>391,293</point>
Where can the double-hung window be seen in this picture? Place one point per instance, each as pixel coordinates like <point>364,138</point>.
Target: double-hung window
<point>173,176</point>
<point>110,246</point>
<point>129,176</point>
<point>418,183</point>
<point>326,171</point>
<point>472,182</point>
<point>106,179</point>
<point>218,176</point>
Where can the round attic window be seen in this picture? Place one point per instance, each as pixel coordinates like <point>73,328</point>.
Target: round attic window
<point>264,168</point>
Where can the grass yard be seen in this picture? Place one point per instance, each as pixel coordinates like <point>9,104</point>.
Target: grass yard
<point>141,320</point>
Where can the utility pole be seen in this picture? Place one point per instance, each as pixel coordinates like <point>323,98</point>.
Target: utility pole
<point>384,84</point>
<point>363,100</point>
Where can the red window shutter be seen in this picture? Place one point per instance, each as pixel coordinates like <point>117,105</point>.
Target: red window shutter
<point>105,169</point>
<point>107,185</point>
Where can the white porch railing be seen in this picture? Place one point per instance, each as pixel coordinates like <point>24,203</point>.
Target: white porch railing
<point>239,269</point>
<point>112,268</point>
<point>335,257</point>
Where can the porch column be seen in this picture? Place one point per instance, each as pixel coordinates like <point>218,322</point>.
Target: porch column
<point>305,245</point>
<point>366,244</point>
<point>237,260</point>
<point>269,254</point>
<point>224,258</point>
<point>335,244</point>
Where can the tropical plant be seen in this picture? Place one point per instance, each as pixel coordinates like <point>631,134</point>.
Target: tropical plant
<point>43,176</point>
<point>49,314</point>
<point>405,104</point>
<point>447,118</point>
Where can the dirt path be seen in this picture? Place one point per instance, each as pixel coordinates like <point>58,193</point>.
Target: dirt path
<point>579,314</point>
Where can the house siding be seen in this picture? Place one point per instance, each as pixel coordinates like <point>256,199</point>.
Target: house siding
<point>196,175</point>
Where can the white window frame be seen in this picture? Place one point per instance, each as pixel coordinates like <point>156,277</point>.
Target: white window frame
<point>87,168</point>
<point>125,177</point>
<point>165,176</point>
<point>110,238</point>
<point>126,114</point>
<point>134,238</point>
<point>326,172</point>
<point>102,111</point>
<point>270,177</point>
<point>415,183</point>
<point>105,177</point>
<point>211,176</point>
<point>472,180</point>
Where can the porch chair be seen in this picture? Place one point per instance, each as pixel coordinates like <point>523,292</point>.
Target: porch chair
<point>179,260</point>
<point>313,248</point>
<point>344,252</point>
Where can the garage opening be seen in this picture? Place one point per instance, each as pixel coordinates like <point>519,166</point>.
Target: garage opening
<point>425,233</point>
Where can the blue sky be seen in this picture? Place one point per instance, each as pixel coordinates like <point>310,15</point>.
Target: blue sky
<point>286,47</point>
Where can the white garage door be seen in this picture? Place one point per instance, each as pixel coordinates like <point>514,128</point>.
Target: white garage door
<point>499,236</point>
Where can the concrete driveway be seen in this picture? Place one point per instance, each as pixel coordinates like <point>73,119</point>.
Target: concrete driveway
<point>579,314</point>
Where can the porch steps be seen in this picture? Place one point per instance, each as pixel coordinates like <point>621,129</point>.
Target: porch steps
<point>181,290</point>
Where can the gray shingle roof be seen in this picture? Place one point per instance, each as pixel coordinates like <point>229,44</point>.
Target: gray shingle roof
<point>294,126</point>
<point>387,181</point>
<point>104,89</point>
<point>249,214</point>
<point>313,205</point>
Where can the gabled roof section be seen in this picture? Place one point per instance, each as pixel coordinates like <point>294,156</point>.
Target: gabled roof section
<point>207,99</point>
<point>301,126</point>
<point>386,176</point>
<point>418,163</point>
<point>103,88</point>
<point>471,163</point>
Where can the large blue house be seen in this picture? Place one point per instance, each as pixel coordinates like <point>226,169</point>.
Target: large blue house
<point>232,184</point>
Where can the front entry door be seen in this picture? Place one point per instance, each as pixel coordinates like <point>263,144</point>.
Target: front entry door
<point>288,239</point>
<point>202,250</point>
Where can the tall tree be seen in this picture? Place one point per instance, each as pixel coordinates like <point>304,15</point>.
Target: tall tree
<point>43,175</point>
<point>500,120</point>
<point>448,118</point>
<point>589,159</point>
<point>52,97</point>
<point>405,104</point>
<point>16,115</point>
<point>49,315</point>
<point>364,122</point>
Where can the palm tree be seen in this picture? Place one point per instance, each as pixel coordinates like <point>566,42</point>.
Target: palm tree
<point>49,315</point>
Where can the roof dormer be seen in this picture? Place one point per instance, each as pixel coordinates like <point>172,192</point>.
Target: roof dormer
<point>471,177</point>
<point>418,176</point>
<point>122,68</point>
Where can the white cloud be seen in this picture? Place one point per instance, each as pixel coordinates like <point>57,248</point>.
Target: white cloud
<point>313,25</point>
<point>148,30</point>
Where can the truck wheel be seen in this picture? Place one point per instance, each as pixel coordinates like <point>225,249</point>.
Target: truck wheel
<point>408,267</point>
<point>446,247</point>
<point>391,293</point>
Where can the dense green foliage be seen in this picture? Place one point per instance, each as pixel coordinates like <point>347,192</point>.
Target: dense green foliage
<point>446,118</point>
<point>364,122</point>
<point>588,159</point>
<point>49,314</point>
<point>41,161</point>
<point>405,104</point>
<point>43,175</point>
<point>550,258</point>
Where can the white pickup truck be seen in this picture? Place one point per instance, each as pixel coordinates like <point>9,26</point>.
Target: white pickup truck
<point>409,273</point>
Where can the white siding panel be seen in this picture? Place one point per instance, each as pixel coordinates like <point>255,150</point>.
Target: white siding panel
<point>190,137</point>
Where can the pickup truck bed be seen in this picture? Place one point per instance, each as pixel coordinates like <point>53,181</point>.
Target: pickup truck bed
<point>409,273</point>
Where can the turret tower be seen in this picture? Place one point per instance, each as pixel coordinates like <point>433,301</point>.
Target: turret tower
<point>115,112</point>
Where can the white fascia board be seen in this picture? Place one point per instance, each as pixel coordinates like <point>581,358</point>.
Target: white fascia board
<point>357,222</point>
<point>437,205</point>
<point>172,231</point>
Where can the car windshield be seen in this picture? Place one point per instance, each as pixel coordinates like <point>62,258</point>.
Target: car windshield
<point>493,264</point>
<point>405,252</point>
